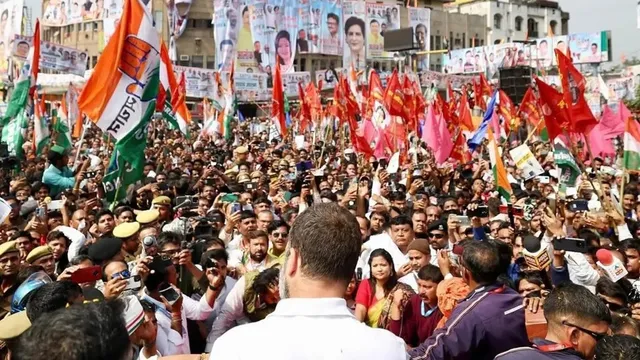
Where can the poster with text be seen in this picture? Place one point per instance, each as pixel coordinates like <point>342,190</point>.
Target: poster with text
<point>290,82</point>
<point>420,21</point>
<point>252,87</point>
<point>52,56</point>
<point>585,48</point>
<point>10,24</point>
<point>354,28</point>
<point>380,18</point>
<point>330,22</point>
<point>198,82</point>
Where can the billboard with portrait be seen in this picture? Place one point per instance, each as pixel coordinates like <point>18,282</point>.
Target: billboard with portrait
<point>420,21</point>
<point>226,22</point>
<point>198,82</point>
<point>65,12</point>
<point>380,18</point>
<point>353,13</point>
<point>331,34</point>
<point>587,48</point>
<point>544,57</point>
<point>53,56</point>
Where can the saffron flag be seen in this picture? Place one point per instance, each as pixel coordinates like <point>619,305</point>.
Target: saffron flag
<point>529,106</point>
<point>26,83</point>
<point>499,172</point>
<point>183,116</point>
<point>168,84</point>
<point>508,112</point>
<point>464,113</point>
<point>277,101</point>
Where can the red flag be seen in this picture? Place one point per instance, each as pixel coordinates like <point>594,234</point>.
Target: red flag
<point>478,97</point>
<point>393,96</point>
<point>529,106</point>
<point>277,101</point>
<point>508,112</point>
<point>464,113</point>
<point>460,151</point>
<point>341,104</point>
<point>573,88</point>
<point>375,93</point>
<point>554,109</point>
<point>410,104</point>
<point>305,109</point>
<point>485,88</point>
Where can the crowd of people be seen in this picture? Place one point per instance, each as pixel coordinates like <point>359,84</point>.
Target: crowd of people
<point>262,248</point>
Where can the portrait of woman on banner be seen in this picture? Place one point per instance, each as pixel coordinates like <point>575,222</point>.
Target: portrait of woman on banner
<point>284,51</point>
<point>355,50</point>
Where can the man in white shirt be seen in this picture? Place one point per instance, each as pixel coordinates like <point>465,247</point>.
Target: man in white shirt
<point>320,259</point>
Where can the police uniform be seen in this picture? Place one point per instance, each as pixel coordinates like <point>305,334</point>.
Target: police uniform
<point>7,294</point>
<point>541,350</point>
<point>125,231</point>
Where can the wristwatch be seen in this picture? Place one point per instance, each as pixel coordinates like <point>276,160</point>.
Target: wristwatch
<point>214,288</point>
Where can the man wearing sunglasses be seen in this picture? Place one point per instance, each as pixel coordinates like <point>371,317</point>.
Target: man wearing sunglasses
<point>576,321</point>
<point>438,236</point>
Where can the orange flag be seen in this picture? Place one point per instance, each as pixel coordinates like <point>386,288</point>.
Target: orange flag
<point>464,113</point>
<point>393,96</point>
<point>508,112</point>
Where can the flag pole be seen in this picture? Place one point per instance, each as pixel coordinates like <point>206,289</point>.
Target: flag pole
<point>79,144</point>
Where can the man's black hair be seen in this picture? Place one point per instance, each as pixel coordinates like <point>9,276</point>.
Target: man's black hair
<point>247,214</point>
<point>608,288</point>
<point>401,220</point>
<point>275,225</point>
<point>89,331</point>
<point>215,254</point>
<point>430,273</point>
<point>575,303</point>
<point>618,347</point>
<point>48,298</point>
<point>483,261</point>
<point>169,237</point>
<point>264,279</point>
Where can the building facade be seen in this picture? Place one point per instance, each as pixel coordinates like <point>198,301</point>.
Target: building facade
<point>516,20</point>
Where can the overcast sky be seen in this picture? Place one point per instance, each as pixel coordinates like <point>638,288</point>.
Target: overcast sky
<point>619,16</point>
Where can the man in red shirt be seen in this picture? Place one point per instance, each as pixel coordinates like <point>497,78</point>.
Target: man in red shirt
<point>421,315</point>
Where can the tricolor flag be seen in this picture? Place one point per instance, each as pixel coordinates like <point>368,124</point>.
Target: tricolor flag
<point>41,132</point>
<point>61,127</point>
<point>120,96</point>
<point>499,172</point>
<point>631,145</point>
<point>26,83</point>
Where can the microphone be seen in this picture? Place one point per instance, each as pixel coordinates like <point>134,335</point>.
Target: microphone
<point>534,254</point>
<point>610,265</point>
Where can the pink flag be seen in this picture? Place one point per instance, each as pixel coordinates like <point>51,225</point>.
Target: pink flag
<point>436,135</point>
<point>612,124</point>
<point>600,144</point>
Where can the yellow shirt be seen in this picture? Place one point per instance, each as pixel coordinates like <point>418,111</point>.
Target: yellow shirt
<point>375,39</point>
<point>245,40</point>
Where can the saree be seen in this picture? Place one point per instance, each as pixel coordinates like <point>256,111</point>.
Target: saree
<point>378,313</point>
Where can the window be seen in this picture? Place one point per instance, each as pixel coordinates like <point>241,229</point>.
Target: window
<point>211,62</point>
<point>481,42</point>
<point>497,21</point>
<point>96,27</point>
<point>197,61</point>
<point>552,27</point>
<point>438,42</point>
<point>184,61</point>
<point>431,43</point>
<point>519,21</point>
<point>94,61</point>
<point>532,28</point>
<point>464,39</point>
<point>457,44</point>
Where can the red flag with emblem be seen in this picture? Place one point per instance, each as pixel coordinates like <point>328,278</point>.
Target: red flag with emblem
<point>529,106</point>
<point>485,88</point>
<point>508,112</point>
<point>393,96</point>
<point>460,151</point>
<point>554,109</point>
<point>573,88</point>
<point>410,105</point>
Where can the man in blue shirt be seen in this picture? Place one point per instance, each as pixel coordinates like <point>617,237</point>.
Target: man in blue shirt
<point>58,176</point>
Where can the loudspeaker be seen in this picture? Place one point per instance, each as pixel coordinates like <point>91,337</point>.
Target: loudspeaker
<point>515,82</point>
<point>399,40</point>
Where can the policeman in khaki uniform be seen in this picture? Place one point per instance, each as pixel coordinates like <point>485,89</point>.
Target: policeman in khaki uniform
<point>148,218</point>
<point>43,256</point>
<point>128,233</point>
<point>9,267</point>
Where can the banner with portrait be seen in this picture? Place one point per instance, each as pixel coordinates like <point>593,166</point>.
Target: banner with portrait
<point>198,82</point>
<point>177,16</point>
<point>331,34</point>
<point>226,21</point>
<point>53,56</point>
<point>353,13</point>
<point>420,21</point>
<point>380,18</point>
<point>545,56</point>
<point>267,31</point>
<point>252,87</point>
<point>10,25</point>
<point>587,48</point>
<point>326,78</point>
<point>112,10</point>
<point>560,43</point>
<point>65,12</point>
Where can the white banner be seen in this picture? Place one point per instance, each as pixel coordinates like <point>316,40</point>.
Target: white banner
<point>53,56</point>
<point>525,161</point>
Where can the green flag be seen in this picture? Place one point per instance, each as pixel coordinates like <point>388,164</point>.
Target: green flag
<point>569,170</point>
<point>13,134</point>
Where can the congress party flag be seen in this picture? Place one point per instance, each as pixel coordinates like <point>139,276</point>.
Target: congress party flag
<point>121,93</point>
<point>13,134</point>
<point>183,116</point>
<point>167,83</point>
<point>61,126</point>
<point>26,81</point>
